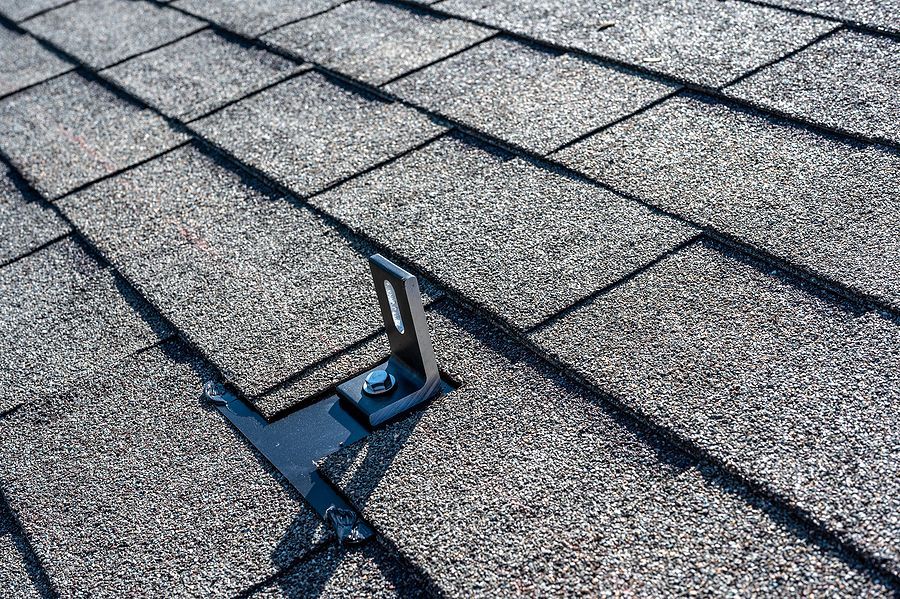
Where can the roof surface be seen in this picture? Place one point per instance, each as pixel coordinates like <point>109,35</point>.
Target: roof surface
<point>657,244</point>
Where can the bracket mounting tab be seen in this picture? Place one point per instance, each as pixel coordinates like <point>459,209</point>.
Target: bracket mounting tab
<point>410,376</point>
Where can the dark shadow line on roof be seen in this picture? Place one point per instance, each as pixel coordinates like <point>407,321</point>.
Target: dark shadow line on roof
<point>641,70</point>
<point>847,22</point>
<point>33,566</point>
<point>783,57</point>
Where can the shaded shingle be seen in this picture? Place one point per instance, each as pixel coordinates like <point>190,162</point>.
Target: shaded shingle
<point>254,17</point>
<point>517,484</point>
<point>797,393</point>
<point>101,32</point>
<point>308,133</point>
<point>368,571</point>
<point>63,318</point>
<point>263,287</point>
<point>128,485</point>
<point>880,14</point>
<point>375,42</point>
<point>24,224</point>
<point>70,131</point>
<point>826,205</point>
<point>848,81</point>
<point>199,74</point>
<point>523,241</point>
<point>24,62</point>
<point>701,41</point>
<point>17,10</point>
<point>14,578</point>
<point>514,92</point>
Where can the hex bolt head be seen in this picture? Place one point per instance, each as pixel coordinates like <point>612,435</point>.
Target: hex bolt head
<point>378,382</point>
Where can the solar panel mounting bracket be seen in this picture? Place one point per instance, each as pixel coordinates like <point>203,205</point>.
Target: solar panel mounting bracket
<point>410,376</point>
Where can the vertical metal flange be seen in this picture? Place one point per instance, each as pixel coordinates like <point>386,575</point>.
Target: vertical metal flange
<point>410,376</point>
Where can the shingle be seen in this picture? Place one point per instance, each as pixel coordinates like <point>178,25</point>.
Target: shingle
<point>101,32</point>
<point>795,392</point>
<point>848,81</point>
<point>375,42</point>
<point>199,74</point>
<point>24,62</point>
<point>69,131</point>
<point>16,10</point>
<point>517,484</point>
<point>127,485</point>
<point>513,91</point>
<point>62,317</point>
<point>368,571</point>
<point>308,133</point>
<point>880,14</point>
<point>24,224</point>
<point>13,576</point>
<point>821,203</point>
<point>699,41</point>
<point>254,17</point>
<point>262,286</point>
<point>523,241</point>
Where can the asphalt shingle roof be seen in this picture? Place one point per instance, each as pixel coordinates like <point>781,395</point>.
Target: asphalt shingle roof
<point>702,42</point>
<point>375,42</point>
<point>103,32</point>
<point>657,247</point>
<point>827,205</point>
<point>844,82</point>
<point>467,87</point>
<point>70,130</point>
<point>199,74</point>
<point>23,62</point>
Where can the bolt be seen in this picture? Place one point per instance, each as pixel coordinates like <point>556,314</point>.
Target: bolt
<point>215,393</point>
<point>378,382</point>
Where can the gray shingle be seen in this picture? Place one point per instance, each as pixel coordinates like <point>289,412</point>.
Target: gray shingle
<point>848,81</point>
<point>24,224</point>
<point>69,131</point>
<point>797,393</point>
<point>127,485</point>
<point>513,91</point>
<point>13,576</point>
<point>24,62</point>
<point>700,41</point>
<point>818,202</point>
<point>375,42</point>
<point>63,317</point>
<point>16,10</point>
<point>880,14</point>
<point>101,32</point>
<point>308,133</point>
<point>263,287</point>
<point>199,74</point>
<point>523,241</point>
<point>368,571</point>
<point>254,17</point>
<point>516,484</point>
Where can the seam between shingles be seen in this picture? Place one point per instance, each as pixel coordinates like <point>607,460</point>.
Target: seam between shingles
<point>809,520</point>
<point>453,54</point>
<point>46,10</point>
<point>36,249</point>
<point>849,23</point>
<point>784,57</point>
<point>610,61</point>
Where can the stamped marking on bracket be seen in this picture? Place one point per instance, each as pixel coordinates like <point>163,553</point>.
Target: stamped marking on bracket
<point>410,376</point>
